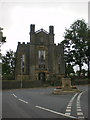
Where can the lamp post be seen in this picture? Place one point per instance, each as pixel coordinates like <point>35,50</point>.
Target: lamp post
<point>21,72</point>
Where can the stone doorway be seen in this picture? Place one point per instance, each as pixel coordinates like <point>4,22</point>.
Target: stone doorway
<point>42,76</point>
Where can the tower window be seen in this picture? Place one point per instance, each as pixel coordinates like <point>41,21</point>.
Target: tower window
<point>41,58</point>
<point>41,54</point>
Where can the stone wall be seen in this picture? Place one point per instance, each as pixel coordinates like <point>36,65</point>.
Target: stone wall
<point>40,40</point>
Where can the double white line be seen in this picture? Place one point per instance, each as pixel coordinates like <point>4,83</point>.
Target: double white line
<point>58,113</point>
<point>69,106</point>
<point>68,109</point>
<point>78,106</point>
<point>46,109</point>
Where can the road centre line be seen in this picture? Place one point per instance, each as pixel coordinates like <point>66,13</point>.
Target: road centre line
<point>79,110</point>
<point>58,113</point>
<point>79,96</point>
<point>68,110</point>
<point>81,117</point>
<point>67,113</point>
<point>78,107</point>
<point>23,101</point>
<point>80,113</point>
<point>69,106</point>
<point>14,95</point>
<point>19,98</point>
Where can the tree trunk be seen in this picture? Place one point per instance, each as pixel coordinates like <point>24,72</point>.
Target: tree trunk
<point>88,69</point>
<point>80,67</point>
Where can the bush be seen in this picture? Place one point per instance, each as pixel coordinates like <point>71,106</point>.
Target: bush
<point>8,77</point>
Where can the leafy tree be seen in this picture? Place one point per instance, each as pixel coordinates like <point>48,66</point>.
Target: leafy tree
<point>69,69</point>
<point>84,72</point>
<point>87,52</point>
<point>75,43</point>
<point>8,65</point>
<point>2,39</point>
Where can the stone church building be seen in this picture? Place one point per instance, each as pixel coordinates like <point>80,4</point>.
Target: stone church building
<point>40,58</point>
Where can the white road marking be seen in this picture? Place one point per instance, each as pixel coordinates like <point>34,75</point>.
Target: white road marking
<point>79,113</point>
<point>14,95</point>
<point>79,110</point>
<point>78,107</point>
<point>68,110</point>
<point>69,106</point>
<point>20,99</point>
<point>23,101</point>
<point>80,117</point>
<point>65,115</point>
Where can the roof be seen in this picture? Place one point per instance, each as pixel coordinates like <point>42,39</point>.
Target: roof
<point>42,30</point>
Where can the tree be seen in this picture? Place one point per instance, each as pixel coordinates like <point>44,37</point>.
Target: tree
<point>8,65</point>
<point>88,52</point>
<point>69,69</point>
<point>2,39</point>
<point>75,43</point>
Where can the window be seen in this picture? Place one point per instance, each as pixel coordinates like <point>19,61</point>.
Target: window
<point>41,58</point>
<point>23,63</point>
<point>42,54</point>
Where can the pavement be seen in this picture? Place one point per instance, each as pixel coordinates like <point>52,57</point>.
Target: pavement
<point>41,103</point>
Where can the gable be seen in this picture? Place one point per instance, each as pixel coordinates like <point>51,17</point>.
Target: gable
<point>41,37</point>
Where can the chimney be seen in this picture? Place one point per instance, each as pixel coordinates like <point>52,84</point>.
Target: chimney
<point>32,28</point>
<point>51,29</point>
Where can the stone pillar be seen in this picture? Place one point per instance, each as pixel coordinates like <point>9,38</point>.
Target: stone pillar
<point>32,28</point>
<point>66,84</point>
<point>51,35</point>
<point>51,29</point>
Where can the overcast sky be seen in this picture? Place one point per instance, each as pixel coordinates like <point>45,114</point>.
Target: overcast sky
<point>17,15</point>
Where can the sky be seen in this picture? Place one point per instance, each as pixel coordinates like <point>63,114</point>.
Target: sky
<point>17,15</point>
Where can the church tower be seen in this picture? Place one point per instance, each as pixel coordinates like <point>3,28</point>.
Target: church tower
<point>41,58</point>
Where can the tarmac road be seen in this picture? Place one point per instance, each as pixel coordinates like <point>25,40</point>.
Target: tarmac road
<point>41,103</point>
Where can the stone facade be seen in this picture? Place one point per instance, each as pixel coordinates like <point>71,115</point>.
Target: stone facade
<point>41,58</point>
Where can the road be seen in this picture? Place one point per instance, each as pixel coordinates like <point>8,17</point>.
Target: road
<point>41,103</point>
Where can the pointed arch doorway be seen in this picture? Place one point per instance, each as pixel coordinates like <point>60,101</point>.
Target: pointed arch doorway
<point>42,76</point>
